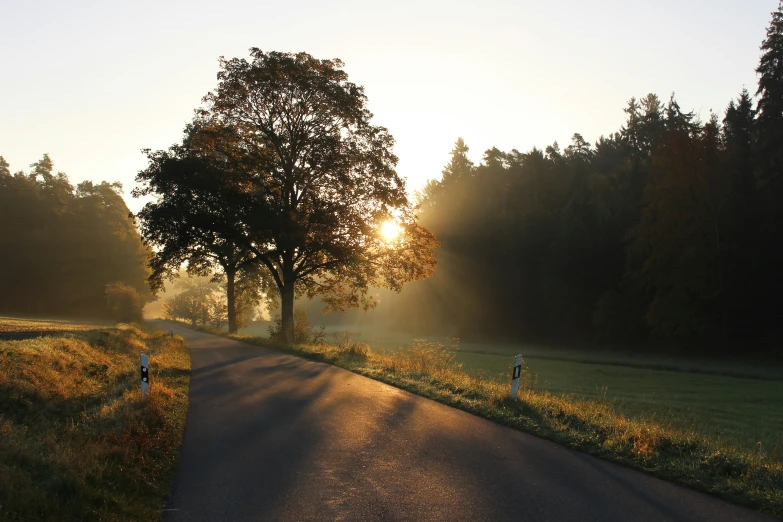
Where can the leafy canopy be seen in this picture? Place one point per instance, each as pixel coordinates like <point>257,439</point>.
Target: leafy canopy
<point>311,180</point>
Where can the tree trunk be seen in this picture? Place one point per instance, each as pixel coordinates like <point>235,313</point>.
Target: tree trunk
<point>231,302</point>
<point>287,312</point>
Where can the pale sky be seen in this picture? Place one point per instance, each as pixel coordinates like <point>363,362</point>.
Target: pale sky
<point>92,83</point>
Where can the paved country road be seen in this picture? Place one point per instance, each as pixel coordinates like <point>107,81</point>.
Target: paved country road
<point>271,436</point>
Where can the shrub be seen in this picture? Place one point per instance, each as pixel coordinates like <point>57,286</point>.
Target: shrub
<point>188,307</point>
<point>123,302</point>
<point>218,310</point>
<point>347,346</point>
<point>426,357</point>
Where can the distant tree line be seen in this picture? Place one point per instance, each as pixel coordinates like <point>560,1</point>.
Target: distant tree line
<point>669,228</point>
<point>68,250</point>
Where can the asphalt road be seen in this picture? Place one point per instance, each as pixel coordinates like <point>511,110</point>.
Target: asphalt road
<point>275,437</point>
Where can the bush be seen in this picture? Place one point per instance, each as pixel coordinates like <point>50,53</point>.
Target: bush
<point>426,357</point>
<point>123,302</point>
<point>349,347</point>
<point>218,310</point>
<point>187,307</point>
<point>304,332</point>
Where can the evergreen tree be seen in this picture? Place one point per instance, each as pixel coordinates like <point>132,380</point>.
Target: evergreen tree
<point>743,219</point>
<point>770,102</point>
<point>459,166</point>
<point>769,126</point>
<point>739,131</point>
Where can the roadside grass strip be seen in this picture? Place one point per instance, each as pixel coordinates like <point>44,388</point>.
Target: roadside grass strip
<point>78,441</point>
<point>747,476</point>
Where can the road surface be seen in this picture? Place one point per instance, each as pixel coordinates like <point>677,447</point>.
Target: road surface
<point>273,437</point>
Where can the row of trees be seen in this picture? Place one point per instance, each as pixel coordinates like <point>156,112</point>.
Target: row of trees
<point>62,245</point>
<point>669,227</point>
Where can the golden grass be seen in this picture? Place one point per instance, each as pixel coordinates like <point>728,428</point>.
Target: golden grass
<point>79,441</point>
<point>14,326</point>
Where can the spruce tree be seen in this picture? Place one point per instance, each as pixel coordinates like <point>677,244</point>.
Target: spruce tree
<point>770,103</point>
<point>459,166</point>
<point>738,129</point>
<point>769,125</point>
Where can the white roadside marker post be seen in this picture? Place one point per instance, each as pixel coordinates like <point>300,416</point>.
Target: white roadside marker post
<point>145,375</point>
<point>515,377</point>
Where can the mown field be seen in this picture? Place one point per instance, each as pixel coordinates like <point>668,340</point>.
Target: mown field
<point>699,396</point>
<point>79,440</point>
<point>737,400</point>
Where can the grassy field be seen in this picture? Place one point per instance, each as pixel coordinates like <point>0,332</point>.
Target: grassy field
<point>715,425</point>
<point>79,441</point>
<point>743,410</point>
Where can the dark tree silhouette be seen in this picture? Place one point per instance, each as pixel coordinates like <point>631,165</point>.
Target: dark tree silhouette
<point>192,221</point>
<point>770,102</point>
<point>307,180</point>
<point>769,163</point>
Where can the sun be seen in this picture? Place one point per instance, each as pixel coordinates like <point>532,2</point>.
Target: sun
<point>390,230</point>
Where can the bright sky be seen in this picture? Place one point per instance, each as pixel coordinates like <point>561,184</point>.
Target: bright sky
<point>92,83</point>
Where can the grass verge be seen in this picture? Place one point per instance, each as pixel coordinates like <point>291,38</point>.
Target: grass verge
<point>79,441</point>
<point>753,478</point>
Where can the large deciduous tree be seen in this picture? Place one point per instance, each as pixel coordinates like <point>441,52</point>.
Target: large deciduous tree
<point>304,181</point>
<point>192,221</point>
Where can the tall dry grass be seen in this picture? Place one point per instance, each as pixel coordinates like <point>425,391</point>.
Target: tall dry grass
<point>79,441</point>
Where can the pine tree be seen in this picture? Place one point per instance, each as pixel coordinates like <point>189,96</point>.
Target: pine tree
<point>769,126</point>
<point>738,129</point>
<point>458,170</point>
<point>744,242</point>
<point>459,166</point>
<point>770,103</point>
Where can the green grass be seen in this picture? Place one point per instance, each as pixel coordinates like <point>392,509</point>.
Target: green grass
<point>745,411</point>
<point>696,425</point>
<point>79,441</point>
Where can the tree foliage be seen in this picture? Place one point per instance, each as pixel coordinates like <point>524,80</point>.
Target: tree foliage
<point>66,243</point>
<point>770,99</point>
<point>193,223</point>
<point>123,302</point>
<point>304,181</point>
<point>668,228</point>
<point>202,300</point>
